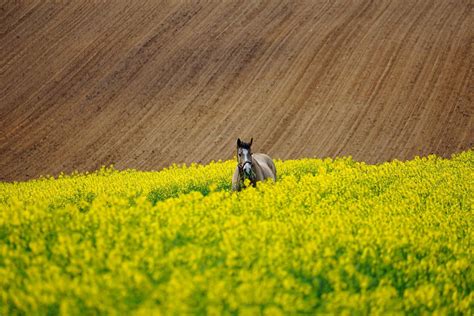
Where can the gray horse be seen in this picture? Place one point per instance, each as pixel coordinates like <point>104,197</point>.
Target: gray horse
<point>255,167</point>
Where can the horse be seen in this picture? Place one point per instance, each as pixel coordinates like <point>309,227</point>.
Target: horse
<point>254,167</point>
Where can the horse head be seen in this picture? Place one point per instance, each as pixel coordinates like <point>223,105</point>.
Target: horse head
<point>244,158</point>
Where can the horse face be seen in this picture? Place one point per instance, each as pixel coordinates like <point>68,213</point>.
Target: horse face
<point>244,156</point>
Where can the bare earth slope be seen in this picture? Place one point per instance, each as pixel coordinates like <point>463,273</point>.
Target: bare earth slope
<point>142,86</point>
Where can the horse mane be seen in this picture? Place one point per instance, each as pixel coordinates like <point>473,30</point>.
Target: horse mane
<point>245,145</point>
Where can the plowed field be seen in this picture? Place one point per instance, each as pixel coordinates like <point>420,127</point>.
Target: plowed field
<point>144,85</point>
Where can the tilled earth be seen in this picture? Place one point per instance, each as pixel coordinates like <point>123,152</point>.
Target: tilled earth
<point>145,85</point>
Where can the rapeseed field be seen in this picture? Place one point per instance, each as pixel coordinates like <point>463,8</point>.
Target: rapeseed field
<point>330,237</point>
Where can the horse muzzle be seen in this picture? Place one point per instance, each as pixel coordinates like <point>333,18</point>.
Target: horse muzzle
<point>247,167</point>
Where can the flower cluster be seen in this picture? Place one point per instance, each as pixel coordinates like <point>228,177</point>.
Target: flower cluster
<point>330,236</point>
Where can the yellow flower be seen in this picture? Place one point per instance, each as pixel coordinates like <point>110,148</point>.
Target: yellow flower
<point>329,237</point>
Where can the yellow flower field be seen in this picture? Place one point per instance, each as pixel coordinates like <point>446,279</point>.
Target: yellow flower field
<point>330,236</point>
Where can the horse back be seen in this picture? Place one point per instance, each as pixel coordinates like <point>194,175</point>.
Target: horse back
<point>266,165</point>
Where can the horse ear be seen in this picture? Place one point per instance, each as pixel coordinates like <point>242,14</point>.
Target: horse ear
<point>251,141</point>
<point>239,143</point>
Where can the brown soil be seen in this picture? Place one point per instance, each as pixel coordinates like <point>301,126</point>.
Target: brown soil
<point>142,86</point>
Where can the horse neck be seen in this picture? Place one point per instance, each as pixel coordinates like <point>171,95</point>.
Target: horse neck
<point>257,169</point>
